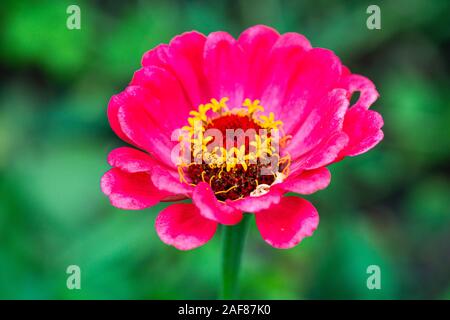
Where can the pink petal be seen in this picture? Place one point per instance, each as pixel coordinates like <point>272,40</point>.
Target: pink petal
<point>345,71</point>
<point>307,182</point>
<point>284,225</point>
<point>363,128</point>
<point>170,181</point>
<point>114,104</point>
<point>280,68</point>
<point>368,93</point>
<point>143,128</point>
<point>324,154</point>
<point>223,67</point>
<point>131,160</point>
<point>156,57</point>
<point>183,57</point>
<point>181,225</point>
<point>256,42</point>
<point>132,191</point>
<point>324,120</point>
<point>205,200</point>
<point>298,82</point>
<point>162,98</point>
<point>256,204</point>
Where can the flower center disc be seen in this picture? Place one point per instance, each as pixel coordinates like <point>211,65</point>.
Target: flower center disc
<point>235,152</point>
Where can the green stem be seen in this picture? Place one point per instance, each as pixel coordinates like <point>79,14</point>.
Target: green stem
<point>233,243</point>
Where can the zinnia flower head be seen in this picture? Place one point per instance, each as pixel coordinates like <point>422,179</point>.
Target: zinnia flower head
<point>234,125</point>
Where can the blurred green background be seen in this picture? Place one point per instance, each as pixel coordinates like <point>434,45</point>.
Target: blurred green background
<point>389,207</point>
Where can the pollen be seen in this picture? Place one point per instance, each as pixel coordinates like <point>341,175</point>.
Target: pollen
<point>237,151</point>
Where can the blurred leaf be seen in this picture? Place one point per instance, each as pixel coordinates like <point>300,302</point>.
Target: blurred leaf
<point>38,34</point>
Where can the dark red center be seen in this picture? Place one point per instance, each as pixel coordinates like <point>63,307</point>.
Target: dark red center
<point>237,182</point>
<point>233,123</point>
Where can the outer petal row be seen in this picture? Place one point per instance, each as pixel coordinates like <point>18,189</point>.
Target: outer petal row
<point>362,126</point>
<point>284,225</point>
<point>182,226</point>
<point>129,183</point>
<point>205,200</point>
<point>131,191</point>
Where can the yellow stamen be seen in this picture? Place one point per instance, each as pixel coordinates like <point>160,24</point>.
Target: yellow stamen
<point>225,191</point>
<point>203,176</point>
<point>181,174</point>
<point>252,106</point>
<point>269,121</point>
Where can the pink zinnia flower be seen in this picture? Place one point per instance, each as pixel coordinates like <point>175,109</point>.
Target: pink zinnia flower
<point>261,81</point>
